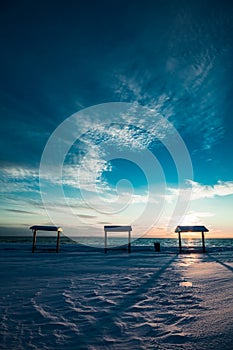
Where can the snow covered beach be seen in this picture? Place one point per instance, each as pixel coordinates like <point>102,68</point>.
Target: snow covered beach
<point>80,299</point>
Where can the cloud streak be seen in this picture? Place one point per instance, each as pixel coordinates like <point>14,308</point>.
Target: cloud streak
<point>21,211</point>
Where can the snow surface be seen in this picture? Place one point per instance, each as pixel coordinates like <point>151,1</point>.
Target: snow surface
<point>91,300</point>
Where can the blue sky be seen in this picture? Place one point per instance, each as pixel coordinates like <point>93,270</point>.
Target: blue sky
<point>173,58</point>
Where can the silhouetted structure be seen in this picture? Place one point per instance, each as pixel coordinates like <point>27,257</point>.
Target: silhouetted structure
<point>117,229</point>
<point>201,229</point>
<point>36,228</point>
<point>157,246</point>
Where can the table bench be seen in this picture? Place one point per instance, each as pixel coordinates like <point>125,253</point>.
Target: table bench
<point>117,229</point>
<point>36,228</point>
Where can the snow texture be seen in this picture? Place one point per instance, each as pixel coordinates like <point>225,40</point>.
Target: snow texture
<point>91,300</point>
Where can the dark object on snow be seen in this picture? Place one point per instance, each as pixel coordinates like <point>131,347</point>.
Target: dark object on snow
<point>157,246</point>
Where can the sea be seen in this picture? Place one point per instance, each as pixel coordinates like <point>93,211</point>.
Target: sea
<point>81,243</point>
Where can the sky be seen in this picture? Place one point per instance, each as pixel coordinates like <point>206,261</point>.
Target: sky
<point>116,112</point>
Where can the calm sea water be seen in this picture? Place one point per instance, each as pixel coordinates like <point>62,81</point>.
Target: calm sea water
<point>165,243</point>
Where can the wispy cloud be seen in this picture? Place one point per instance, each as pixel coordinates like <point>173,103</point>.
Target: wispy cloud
<point>221,188</point>
<point>19,173</point>
<point>19,179</point>
<point>201,191</point>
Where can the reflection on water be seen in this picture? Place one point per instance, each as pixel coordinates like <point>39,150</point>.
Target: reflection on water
<point>186,284</point>
<point>189,259</point>
<point>191,242</point>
